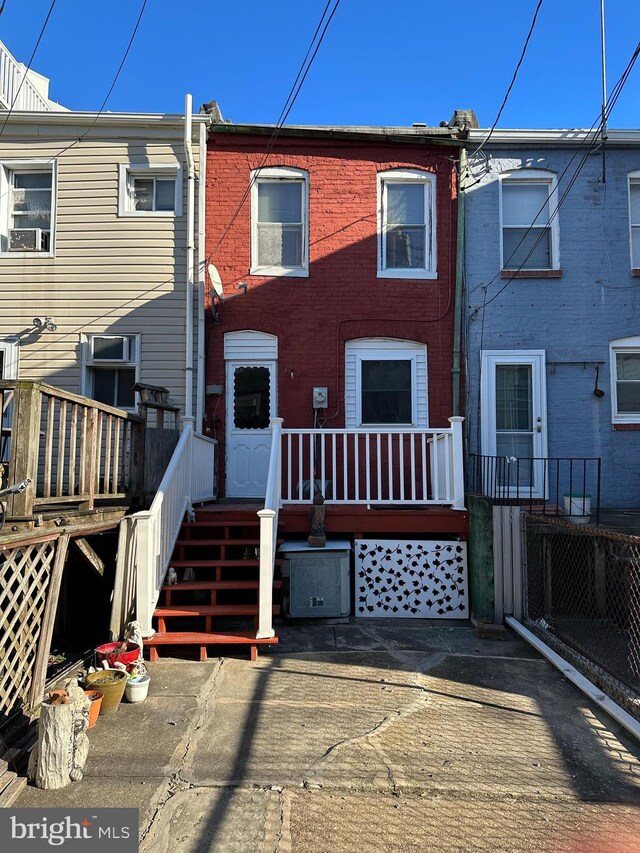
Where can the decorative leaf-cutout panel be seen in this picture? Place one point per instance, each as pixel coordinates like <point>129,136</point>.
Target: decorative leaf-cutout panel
<point>417,578</point>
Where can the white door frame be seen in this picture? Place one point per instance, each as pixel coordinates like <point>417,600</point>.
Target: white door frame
<point>9,347</point>
<point>536,359</point>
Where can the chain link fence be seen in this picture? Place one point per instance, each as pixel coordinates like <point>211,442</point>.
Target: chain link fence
<point>582,597</point>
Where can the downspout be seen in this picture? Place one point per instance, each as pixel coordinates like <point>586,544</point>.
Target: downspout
<point>457,301</point>
<point>188,389</point>
<point>200,366</point>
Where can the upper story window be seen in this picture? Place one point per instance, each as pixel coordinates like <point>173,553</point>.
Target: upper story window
<point>625,379</point>
<point>149,190</point>
<point>111,368</point>
<point>634,218</point>
<point>406,224</point>
<point>27,206</point>
<point>280,222</point>
<point>529,235</point>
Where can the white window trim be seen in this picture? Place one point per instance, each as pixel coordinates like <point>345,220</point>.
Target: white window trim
<point>88,363</point>
<point>148,170</point>
<point>405,176</point>
<point>632,178</point>
<point>28,166</point>
<point>10,348</point>
<point>387,349</point>
<point>621,345</point>
<point>280,173</point>
<point>534,176</point>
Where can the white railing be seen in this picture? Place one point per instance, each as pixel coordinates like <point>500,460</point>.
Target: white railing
<point>269,533</point>
<point>15,86</point>
<point>189,477</point>
<point>374,466</point>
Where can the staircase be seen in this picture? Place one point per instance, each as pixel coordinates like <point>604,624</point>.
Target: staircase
<point>215,601</point>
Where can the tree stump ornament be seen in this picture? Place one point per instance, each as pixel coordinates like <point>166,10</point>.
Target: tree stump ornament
<point>60,754</point>
<point>317,537</point>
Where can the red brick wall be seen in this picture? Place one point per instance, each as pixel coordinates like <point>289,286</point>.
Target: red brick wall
<point>342,298</point>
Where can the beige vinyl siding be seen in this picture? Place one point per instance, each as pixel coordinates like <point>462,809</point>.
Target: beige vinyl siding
<point>110,274</point>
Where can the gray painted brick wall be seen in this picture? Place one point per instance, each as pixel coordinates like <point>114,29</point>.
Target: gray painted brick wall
<point>572,318</point>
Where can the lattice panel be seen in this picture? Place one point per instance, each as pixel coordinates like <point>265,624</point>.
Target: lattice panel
<point>25,572</point>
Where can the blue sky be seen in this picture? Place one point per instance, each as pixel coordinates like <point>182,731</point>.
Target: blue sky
<point>381,62</point>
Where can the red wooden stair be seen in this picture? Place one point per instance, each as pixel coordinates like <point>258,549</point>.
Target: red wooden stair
<point>222,554</point>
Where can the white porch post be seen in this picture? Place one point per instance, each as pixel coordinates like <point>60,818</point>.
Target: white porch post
<point>265,591</point>
<point>457,462</point>
<point>145,562</point>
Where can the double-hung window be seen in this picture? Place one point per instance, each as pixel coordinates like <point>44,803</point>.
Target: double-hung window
<point>625,380</point>
<point>111,368</point>
<point>150,190</point>
<point>406,224</point>
<point>279,222</point>
<point>529,233</point>
<point>634,219</point>
<point>28,204</point>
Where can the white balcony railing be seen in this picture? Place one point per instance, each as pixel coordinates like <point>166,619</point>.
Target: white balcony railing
<point>17,91</point>
<point>374,466</point>
<point>269,532</point>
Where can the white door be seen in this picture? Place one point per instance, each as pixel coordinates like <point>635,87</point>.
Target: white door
<point>251,403</point>
<point>514,420</point>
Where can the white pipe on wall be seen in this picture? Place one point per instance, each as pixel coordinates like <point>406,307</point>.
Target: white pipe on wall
<point>200,364</point>
<point>188,151</point>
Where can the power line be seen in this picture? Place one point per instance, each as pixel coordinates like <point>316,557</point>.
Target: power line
<point>113,82</point>
<point>513,78</point>
<point>29,64</point>
<point>288,106</point>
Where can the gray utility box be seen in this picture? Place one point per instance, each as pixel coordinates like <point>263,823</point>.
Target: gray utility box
<point>319,578</point>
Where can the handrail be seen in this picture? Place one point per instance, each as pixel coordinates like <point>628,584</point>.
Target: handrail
<point>156,529</point>
<point>269,533</point>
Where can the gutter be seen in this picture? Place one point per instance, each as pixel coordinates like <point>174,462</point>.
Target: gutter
<point>200,364</point>
<point>457,299</point>
<point>188,378</point>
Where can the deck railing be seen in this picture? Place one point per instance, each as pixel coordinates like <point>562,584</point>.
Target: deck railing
<point>374,466</point>
<point>559,485</point>
<point>72,449</point>
<point>15,86</point>
<point>189,478</point>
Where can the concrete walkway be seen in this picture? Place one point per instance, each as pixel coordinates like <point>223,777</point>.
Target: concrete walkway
<point>371,737</point>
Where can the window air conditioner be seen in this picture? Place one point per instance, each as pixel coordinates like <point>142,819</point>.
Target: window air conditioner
<point>28,240</point>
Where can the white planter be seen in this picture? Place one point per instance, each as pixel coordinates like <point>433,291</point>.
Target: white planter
<point>578,508</point>
<point>137,689</point>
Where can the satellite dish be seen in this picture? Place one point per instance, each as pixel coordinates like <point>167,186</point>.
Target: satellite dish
<point>216,281</point>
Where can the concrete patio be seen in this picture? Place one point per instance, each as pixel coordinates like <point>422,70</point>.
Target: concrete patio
<point>372,736</point>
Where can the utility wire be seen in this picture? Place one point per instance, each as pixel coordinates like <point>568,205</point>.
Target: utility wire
<point>113,83</point>
<point>301,76</point>
<point>4,3</point>
<point>616,92</point>
<point>513,79</point>
<point>29,64</point>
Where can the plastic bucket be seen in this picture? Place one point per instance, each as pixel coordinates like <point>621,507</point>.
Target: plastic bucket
<point>111,683</point>
<point>109,653</point>
<point>137,688</point>
<point>578,507</point>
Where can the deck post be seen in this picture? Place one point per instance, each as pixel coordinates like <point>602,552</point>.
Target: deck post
<point>265,591</point>
<point>25,433</point>
<point>457,462</point>
<point>145,565</point>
